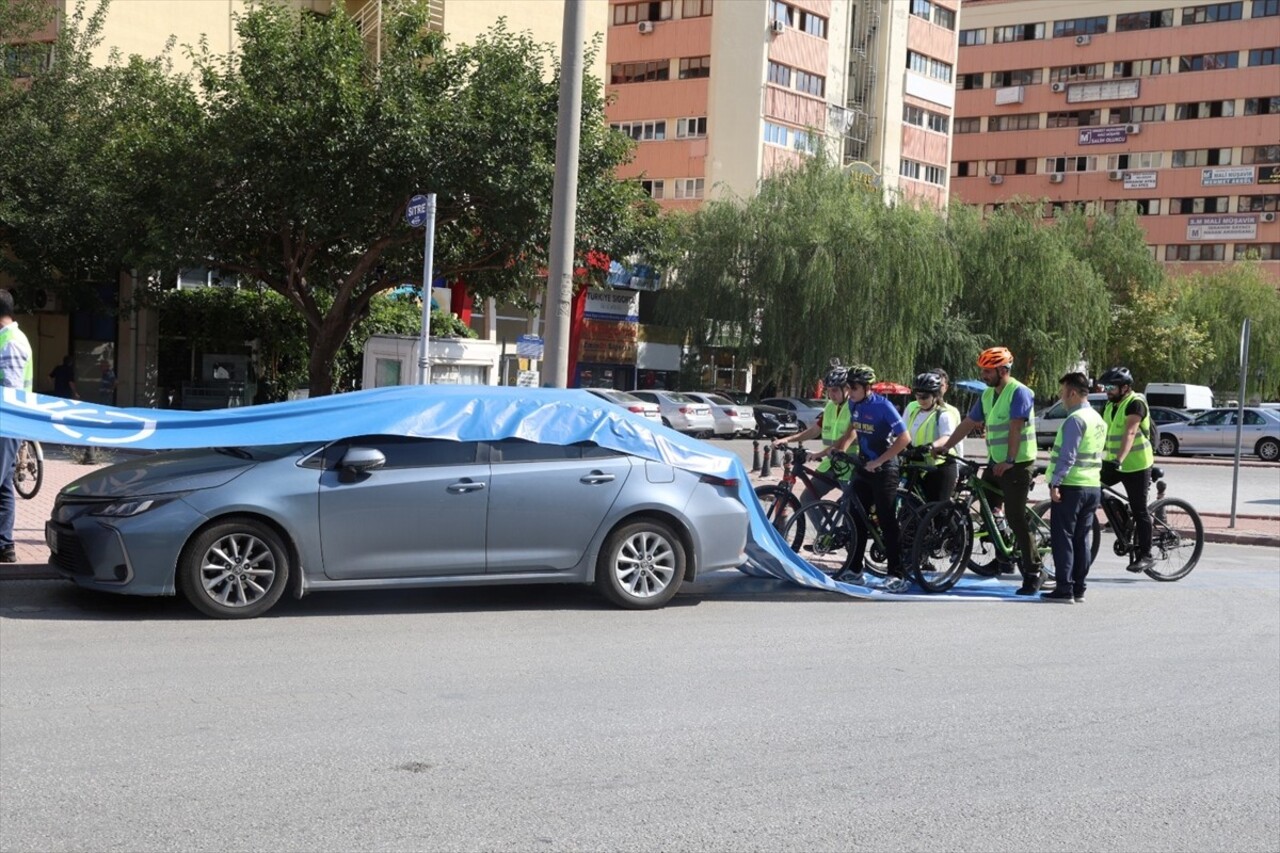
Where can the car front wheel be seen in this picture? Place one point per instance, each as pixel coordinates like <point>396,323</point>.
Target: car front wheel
<point>1269,449</point>
<point>641,565</point>
<point>236,569</point>
<point>1167,446</point>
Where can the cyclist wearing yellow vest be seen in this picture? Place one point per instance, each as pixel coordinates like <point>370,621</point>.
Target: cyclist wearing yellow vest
<point>1007,407</point>
<point>830,426</point>
<point>1075,487</point>
<point>1129,454</point>
<point>16,371</point>
<point>930,424</point>
<point>942,401</point>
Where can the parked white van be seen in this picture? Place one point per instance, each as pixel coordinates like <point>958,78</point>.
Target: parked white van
<point>1179,396</point>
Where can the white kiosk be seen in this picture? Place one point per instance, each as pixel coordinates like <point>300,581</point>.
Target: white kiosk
<point>393,360</point>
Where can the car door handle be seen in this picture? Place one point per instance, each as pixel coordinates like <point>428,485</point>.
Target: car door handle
<point>597,477</point>
<point>463,487</point>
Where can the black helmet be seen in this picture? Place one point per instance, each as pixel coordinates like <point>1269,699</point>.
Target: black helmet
<point>837,377</point>
<point>927,383</point>
<point>1116,376</point>
<point>863,374</point>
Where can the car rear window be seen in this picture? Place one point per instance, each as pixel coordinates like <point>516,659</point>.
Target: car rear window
<point>681,398</point>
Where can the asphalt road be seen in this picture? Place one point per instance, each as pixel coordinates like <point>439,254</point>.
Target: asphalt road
<point>749,715</point>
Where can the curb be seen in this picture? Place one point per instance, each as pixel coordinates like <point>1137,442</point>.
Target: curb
<point>1242,538</point>
<point>28,572</point>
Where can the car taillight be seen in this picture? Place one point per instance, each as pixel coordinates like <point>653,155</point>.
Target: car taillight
<point>733,413</point>
<point>639,410</point>
<point>730,482</point>
<point>684,410</point>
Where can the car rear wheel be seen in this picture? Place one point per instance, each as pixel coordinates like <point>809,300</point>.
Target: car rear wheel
<point>236,569</point>
<point>641,565</point>
<point>1268,449</point>
<point>1167,446</point>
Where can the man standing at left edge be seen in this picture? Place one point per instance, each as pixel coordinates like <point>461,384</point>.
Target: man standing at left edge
<point>16,371</point>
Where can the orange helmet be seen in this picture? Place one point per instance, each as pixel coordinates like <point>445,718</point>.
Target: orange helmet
<point>995,357</point>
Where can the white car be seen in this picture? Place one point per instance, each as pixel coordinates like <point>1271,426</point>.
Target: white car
<point>681,412</point>
<point>732,419</point>
<point>807,410</point>
<point>629,402</point>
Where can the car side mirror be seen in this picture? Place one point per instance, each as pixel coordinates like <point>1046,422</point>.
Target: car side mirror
<point>360,460</point>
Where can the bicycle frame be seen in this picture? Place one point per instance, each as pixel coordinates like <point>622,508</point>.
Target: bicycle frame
<point>983,490</point>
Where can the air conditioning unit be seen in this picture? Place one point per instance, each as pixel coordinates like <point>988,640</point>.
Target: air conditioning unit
<point>1058,87</point>
<point>645,27</point>
<point>1133,129</point>
<point>1082,40</point>
<point>1056,177</point>
<point>1268,217</point>
<point>995,179</point>
<point>43,300</point>
<point>778,27</point>
<point>1115,175</point>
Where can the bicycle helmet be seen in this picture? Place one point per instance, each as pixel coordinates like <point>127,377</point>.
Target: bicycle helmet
<point>863,374</point>
<point>995,357</point>
<point>1116,376</point>
<point>927,383</point>
<point>837,377</point>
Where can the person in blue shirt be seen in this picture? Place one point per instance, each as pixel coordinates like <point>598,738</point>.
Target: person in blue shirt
<point>882,435</point>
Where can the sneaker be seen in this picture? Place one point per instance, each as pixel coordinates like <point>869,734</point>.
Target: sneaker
<point>1141,564</point>
<point>1078,596</point>
<point>896,585</point>
<point>1031,585</point>
<point>1058,596</point>
<point>850,576</point>
<point>8,555</point>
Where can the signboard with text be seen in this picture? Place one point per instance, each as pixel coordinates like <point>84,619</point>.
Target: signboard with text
<point>1269,174</point>
<point>613,305</point>
<point>1110,134</point>
<point>1226,176</point>
<point>1107,90</point>
<point>1222,228</point>
<point>1139,180</point>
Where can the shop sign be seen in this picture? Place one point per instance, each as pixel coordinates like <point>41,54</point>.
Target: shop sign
<point>613,305</point>
<point>1269,174</point>
<point>1226,177</point>
<point>1222,227</point>
<point>1139,180</point>
<point>1111,134</point>
<point>1108,90</point>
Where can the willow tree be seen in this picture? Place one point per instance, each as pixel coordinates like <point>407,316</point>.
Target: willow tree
<point>812,267</point>
<point>1029,291</point>
<point>1219,302</point>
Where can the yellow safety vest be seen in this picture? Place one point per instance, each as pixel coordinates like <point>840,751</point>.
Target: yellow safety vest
<point>927,433</point>
<point>835,423</point>
<point>995,411</point>
<point>1141,455</point>
<point>1087,469</point>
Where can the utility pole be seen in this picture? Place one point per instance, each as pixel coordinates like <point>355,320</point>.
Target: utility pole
<point>564,200</point>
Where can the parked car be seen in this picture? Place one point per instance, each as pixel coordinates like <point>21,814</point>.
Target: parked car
<point>1214,431</point>
<point>731,419</point>
<point>773,422</point>
<point>629,402</point>
<point>232,529</point>
<point>1050,419</point>
<point>740,397</point>
<point>807,411</point>
<point>681,412</point>
<point>1178,395</point>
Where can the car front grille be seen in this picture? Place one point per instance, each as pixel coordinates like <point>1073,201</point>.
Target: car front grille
<point>71,556</point>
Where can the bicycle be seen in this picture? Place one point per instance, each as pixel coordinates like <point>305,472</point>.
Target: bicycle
<point>1175,527</point>
<point>948,533</point>
<point>28,469</point>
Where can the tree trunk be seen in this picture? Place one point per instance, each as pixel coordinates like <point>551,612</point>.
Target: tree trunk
<point>325,343</point>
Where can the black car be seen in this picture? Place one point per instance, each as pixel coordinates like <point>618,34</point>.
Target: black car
<point>773,422</point>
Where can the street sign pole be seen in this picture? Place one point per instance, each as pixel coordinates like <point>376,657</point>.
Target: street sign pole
<point>1244,378</point>
<point>422,212</point>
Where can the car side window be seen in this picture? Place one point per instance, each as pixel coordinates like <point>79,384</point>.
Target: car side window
<point>409,452</point>
<point>1210,419</point>
<point>1253,418</point>
<point>1057,410</point>
<point>519,450</point>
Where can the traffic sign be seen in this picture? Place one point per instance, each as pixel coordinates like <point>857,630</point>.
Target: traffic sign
<point>416,213</point>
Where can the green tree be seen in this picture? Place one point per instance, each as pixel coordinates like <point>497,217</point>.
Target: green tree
<point>1219,302</point>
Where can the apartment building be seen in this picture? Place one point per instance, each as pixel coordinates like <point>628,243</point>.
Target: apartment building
<point>1175,108</point>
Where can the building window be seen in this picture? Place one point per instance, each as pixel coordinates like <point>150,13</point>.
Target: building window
<point>1204,109</point>
<point>1257,251</point>
<point>968,125</point>
<point>1141,67</point>
<point>1079,26</point>
<point>1025,166</point>
<point>935,175</point>
<point>1212,13</point>
<point>909,169</point>
<point>971,38</point>
<point>1021,77</point>
<point>1262,106</point>
<point>1209,62</point>
<point>811,84</point>
<point>1192,157</point>
<point>643,131</point>
<point>1142,206</point>
<point>1265,56</point>
<point>1259,154</point>
<point>653,188</point>
<point>779,11</point>
<point>1255,203</point>
<point>971,81</point>
<point>691,128</point>
<point>805,142</point>
<point>779,75</point>
<point>925,118</point>
<point>964,168</point>
<point>639,72</point>
<point>927,65</point>
<point>695,8</point>
<point>1195,252</point>
<point>814,25</point>
<point>922,9</point>
<point>1127,115</point>
<point>1266,8</point>
<point>695,66</point>
<point>1073,118</point>
<point>776,134</point>
<point>1017,32</point>
<point>1203,204</point>
<point>1025,121</point>
<point>689,187</point>
<point>1071,164</point>
<point>1136,160</point>
<point>1144,20</point>
<point>631,13</point>
<point>27,59</point>
<point>1067,73</point>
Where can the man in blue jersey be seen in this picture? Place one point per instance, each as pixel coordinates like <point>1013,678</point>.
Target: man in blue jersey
<point>881,434</point>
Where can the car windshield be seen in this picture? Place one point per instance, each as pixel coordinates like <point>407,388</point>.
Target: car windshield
<point>718,400</point>
<point>680,398</point>
<point>817,404</point>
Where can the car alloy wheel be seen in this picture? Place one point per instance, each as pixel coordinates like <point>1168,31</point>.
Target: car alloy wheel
<point>641,565</point>
<point>236,569</point>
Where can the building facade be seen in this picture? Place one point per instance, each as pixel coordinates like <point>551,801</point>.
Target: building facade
<point>1173,108</point>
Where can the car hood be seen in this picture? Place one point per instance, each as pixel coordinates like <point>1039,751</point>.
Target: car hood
<point>162,473</point>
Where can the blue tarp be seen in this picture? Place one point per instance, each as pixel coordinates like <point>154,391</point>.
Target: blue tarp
<point>463,413</point>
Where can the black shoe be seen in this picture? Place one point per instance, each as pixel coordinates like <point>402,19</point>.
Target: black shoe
<point>1140,565</point>
<point>1031,585</point>
<point>1079,597</point>
<point>8,555</point>
<point>1059,596</point>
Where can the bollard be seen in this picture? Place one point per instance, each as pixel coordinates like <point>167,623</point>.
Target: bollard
<point>764,464</point>
<point>755,456</point>
<point>775,459</point>
<point>787,456</point>
<point>1161,486</point>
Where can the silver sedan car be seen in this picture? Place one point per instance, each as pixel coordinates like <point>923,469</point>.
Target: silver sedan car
<point>233,529</point>
<point>1214,431</point>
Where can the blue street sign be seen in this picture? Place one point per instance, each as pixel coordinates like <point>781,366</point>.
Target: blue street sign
<point>416,213</point>
<point>529,346</point>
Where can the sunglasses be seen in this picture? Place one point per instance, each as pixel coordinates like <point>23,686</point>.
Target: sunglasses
<point>1110,387</point>
<point>923,395</point>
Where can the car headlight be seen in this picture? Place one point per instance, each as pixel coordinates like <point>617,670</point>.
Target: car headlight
<point>129,508</point>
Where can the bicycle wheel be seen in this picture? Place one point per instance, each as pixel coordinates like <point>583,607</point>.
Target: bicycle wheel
<point>1043,508</point>
<point>780,506</point>
<point>826,534</point>
<point>28,471</point>
<point>984,557</point>
<point>1177,539</point>
<point>910,509</point>
<point>940,547</point>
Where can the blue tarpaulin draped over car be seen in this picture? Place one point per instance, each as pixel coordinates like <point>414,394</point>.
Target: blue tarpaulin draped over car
<point>460,412</point>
